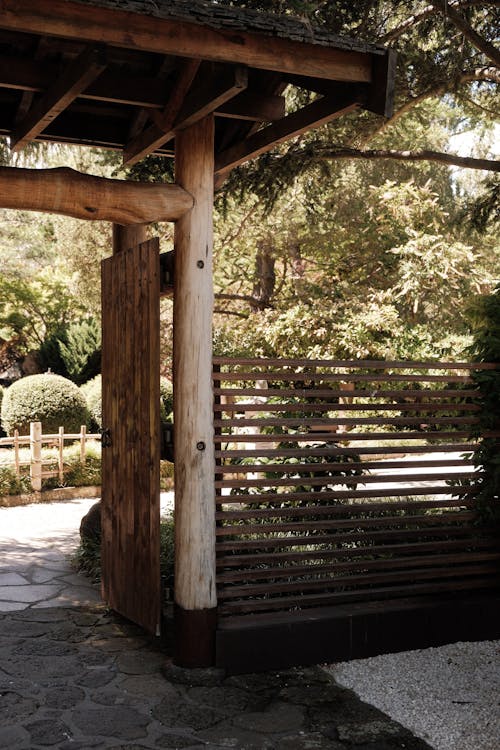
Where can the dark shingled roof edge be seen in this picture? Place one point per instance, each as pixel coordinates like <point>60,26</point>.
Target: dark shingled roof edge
<point>237,19</point>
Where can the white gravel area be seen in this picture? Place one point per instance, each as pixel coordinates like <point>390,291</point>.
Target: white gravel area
<point>448,696</point>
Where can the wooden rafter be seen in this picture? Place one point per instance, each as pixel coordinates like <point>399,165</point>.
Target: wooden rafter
<point>312,116</point>
<point>157,134</point>
<point>139,91</point>
<point>201,101</point>
<point>75,79</point>
<point>66,19</point>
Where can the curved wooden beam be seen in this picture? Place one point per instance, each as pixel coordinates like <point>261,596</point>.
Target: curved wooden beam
<point>71,193</point>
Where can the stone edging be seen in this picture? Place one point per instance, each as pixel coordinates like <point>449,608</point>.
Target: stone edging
<point>49,496</point>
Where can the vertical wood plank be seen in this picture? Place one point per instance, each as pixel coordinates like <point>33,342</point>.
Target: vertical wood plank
<point>131,398</point>
<point>195,594</point>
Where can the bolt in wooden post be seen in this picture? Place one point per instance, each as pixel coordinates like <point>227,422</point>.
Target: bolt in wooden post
<point>36,456</point>
<point>195,595</point>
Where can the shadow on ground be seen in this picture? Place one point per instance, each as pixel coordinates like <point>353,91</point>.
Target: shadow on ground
<point>83,678</point>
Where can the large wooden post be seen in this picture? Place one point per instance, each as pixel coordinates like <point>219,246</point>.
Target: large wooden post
<point>195,594</point>
<point>127,236</point>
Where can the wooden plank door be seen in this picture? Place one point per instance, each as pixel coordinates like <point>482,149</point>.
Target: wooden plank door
<point>131,429</point>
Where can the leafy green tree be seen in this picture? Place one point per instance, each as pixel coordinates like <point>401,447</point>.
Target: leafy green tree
<point>33,309</point>
<point>81,350</point>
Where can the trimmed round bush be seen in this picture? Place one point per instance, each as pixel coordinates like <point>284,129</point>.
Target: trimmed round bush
<point>92,390</point>
<point>50,399</point>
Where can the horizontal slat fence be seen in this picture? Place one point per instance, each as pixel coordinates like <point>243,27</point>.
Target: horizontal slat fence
<point>346,481</point>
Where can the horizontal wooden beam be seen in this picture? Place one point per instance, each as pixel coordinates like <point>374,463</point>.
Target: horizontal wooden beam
<point>73,20</point>
<point>75,79</point>
<point>253,107</point>
<point>203,100</point>
<point>312,116</point>
<point>23,74</point>
<point>65,191</point>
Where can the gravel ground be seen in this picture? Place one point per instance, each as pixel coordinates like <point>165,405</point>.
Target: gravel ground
<point>447,696</point>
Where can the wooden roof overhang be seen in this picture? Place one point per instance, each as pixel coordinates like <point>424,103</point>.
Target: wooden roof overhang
<point>128,75</point>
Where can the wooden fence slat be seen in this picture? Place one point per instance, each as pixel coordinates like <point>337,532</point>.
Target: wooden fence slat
<point>248,561</point>
<point>308,451</point>
<point>314,468</point>
<point>303,406</point>
<point>310,600</point>
<point>353,363</point>
<point>368,393</point>
<point>289,377</point>
<point>316,436</point>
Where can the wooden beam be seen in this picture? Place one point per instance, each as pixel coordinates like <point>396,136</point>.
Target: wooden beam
<point>204,99</point>
<point>312,116</point>
<point>83,196</point>
<point>170,36</point>
<point>23,74</point>
<point>75,79</point>
<point>155,136</point>
<point>254,107</point>
<point>195,594</point>
<point>381,98</point>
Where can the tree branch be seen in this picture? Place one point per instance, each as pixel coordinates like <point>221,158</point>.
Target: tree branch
<point>480,74</point>
<point>449,12</point>
<point>466,162</point>
<point>430,10</point>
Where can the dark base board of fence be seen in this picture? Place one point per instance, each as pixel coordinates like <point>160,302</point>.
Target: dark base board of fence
<point>260,643</point>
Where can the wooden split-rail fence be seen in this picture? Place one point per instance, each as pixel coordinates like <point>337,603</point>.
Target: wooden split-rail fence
<point>36,463</point>
<point>347,482</point>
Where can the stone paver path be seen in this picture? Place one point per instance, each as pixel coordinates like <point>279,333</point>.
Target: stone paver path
<point>83,679</point>
<point>36,543</point>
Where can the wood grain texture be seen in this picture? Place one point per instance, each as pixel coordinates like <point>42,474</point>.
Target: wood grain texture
<point>71,193</point>
<point>75,78</point>
<point>131,398</point>
<point>171,36</point>
<point>309,518</point>
<point>193,399</point>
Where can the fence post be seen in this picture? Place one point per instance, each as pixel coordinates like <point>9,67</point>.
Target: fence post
<point>83,451</point>
<point>36,456</point>
<point>61,456</point>
<point>16,454</point>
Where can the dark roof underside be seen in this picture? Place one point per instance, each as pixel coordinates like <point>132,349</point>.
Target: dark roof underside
<point>128,74</point>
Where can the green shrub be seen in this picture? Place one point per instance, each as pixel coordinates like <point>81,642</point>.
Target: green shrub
<point>11,485</point>
<point>50,399</point>
<point>92,390</point>
<point>87,557</point>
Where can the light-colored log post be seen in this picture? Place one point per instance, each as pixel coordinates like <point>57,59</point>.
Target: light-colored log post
<point>60,463</point>
<point>83,444</point>
<point>195,593</point>
<point>17,464</point>
<point>36,456</point>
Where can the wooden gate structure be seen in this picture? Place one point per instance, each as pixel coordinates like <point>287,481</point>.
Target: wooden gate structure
<point>203,84</point>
